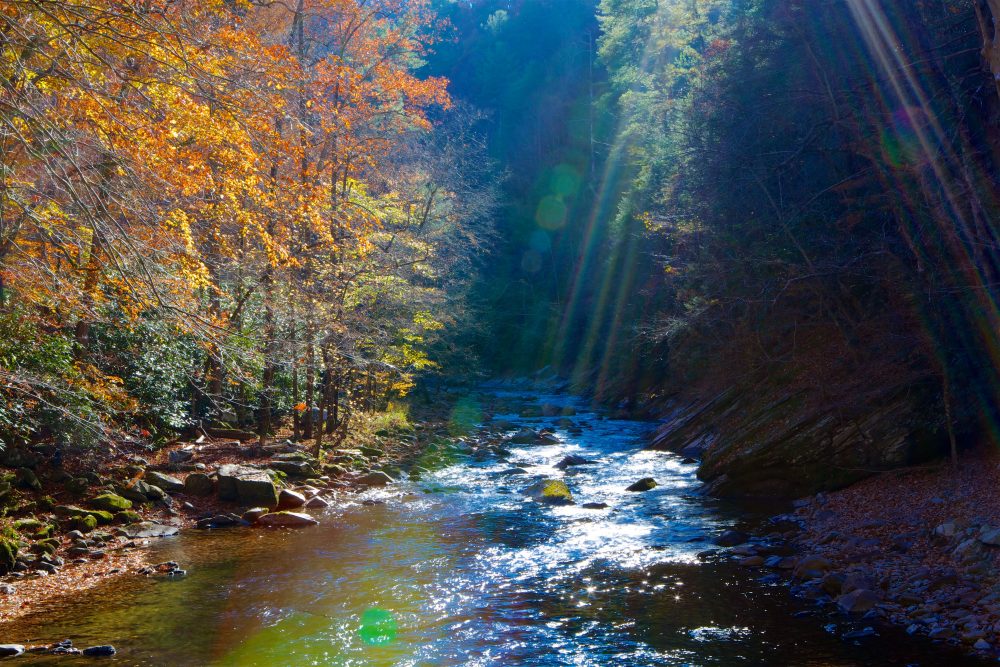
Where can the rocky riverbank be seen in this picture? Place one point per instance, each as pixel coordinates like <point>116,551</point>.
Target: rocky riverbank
<point>918,548</point>
<point>71,525</point>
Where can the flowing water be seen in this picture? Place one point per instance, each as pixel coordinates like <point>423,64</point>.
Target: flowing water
<point>460,569</point>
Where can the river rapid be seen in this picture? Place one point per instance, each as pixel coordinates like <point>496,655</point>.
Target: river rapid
<point>459,568</point>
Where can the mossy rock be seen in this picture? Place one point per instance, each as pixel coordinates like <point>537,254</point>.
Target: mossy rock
<point>128,516</point>
<point>372,452</point>
<point>111,502</point>
<point>45,531</point>
<point>28,525</point>
<point>47,546</point>
<point>83,522</point>
<point>46,503</point>
<point>8,555</point>
<point>102,516</point>
<point>550,492</point>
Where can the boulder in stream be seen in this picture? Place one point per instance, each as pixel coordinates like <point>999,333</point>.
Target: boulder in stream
<point>644,484</point>
<point>250,486</point>
<point>289,499</point>
<point>573,460</point>
<point>375,478</point>
<point>287,520</point>
<point>550,492</point>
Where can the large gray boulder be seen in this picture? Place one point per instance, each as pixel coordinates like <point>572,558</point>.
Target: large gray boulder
<point>246,485</point>
<point>165,482</point>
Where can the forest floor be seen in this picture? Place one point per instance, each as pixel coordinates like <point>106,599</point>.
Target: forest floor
<point>81,561</point>
<point>918,547</point>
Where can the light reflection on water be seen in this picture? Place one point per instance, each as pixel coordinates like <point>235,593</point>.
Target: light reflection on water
<point>472,575</point>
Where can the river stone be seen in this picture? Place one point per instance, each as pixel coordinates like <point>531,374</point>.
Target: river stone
<point>857,601</point>
<point>375,478</point>
<point>199,484</point>
<point>524,436</point>
<point>990,536</point>
<point>948,529</point>
<point>250,486</point>
<point>9,650</point>
<point>595,506</point>
<point>165,482</point>
<point>644,484</point>
<point>287,520</point>
<point>288,499</point>
<point>251,515</point>
<point>146,529</point>
<point>316,502</point>
<point>142,492</point>
<point>111,502</point>
<point>293,468</point>
<point>573,460</point>
<point>99,651</point>
<point>550,492</point>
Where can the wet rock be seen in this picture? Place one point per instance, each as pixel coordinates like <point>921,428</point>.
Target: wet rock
<point>199,484</point>
<point>288,499</point>
<point>857,602</point>
<point>982,645</point>
<point>550,492</point>
<point>9,650</point>
<point>251,515</point>
<point>99,651</point>
<point>751,561</point>
<point>287,520</point>
<point>644,484</point>
<point>316,502</point>
<point>165,482</point>
<point>595,506</point>
<point>512,471</point>
<point>524,436</point>
<point>573,460</point>
<point>731,538</point>
<point>147,529</point>
<point>250,486</point>
<point>375,478</point>
<point>687,460</point>
<point>969,551</point>
<point>221,521</point>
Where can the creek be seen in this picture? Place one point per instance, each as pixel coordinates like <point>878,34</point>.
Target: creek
<point>459,568</point>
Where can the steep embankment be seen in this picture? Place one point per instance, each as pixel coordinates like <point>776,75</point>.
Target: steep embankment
<point>771,439</point>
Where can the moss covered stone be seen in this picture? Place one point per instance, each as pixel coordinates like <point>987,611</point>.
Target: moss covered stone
<point>29,525</point>
<point>550,491</point>
<point>111,502</point>
<point>83,522</point>
<point>8,555</point>
<point>128,516</point>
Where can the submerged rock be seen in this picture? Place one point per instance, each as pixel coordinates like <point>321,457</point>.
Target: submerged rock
<point>147,529</point>
<point>550,491</point>
<point>287,520</point>
<point>99,651</point>
<point>595,506</point>
<point>573,460</point>
<point>644,484</point>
